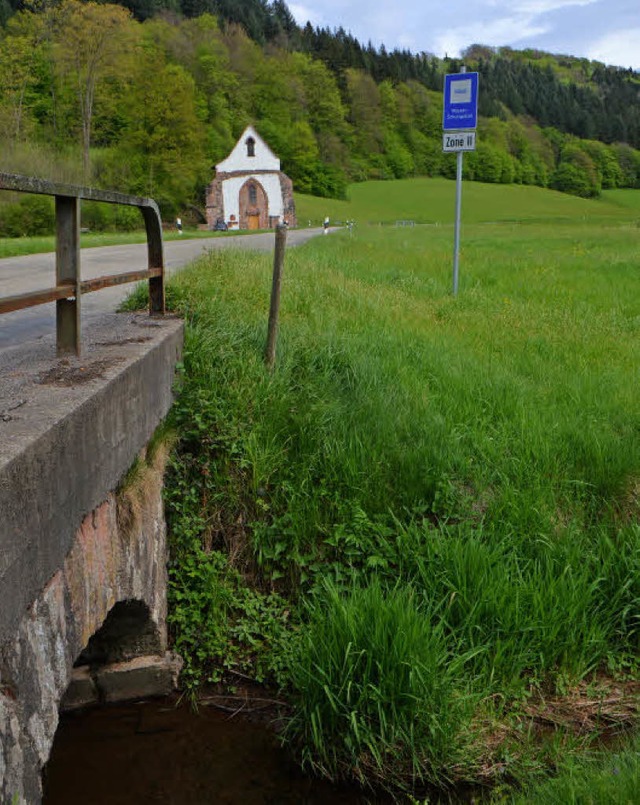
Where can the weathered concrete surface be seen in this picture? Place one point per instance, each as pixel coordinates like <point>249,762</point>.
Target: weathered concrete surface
<point>70,547</point>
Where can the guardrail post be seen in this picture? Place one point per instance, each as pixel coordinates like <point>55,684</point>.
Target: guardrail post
<point>155,255</point>
<point>68,271</point>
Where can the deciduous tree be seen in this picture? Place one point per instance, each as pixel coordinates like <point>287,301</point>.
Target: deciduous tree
<point>91,41</point>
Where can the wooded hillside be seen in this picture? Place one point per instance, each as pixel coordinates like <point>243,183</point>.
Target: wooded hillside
<point>149,97</point>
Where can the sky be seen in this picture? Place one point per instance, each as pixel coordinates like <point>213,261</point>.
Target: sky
<point>601,30</point>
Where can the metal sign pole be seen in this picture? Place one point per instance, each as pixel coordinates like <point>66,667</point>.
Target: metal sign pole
<point>456,237</point>
<point>456,240</point>
<point>459,122</point>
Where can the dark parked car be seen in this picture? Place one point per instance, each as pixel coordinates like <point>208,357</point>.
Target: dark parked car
<point>220,226</point>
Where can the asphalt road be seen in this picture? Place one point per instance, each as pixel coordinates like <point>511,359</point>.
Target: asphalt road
<point>37,272</point>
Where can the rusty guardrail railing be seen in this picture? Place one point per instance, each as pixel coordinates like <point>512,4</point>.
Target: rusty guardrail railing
<point>70,287</point>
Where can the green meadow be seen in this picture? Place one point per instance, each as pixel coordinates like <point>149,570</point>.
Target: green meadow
<point>629,199</point>
<point>422,526</point>
<point>432,201</point>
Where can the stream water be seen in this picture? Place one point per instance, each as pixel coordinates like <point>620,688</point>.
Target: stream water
<point>163,752</point>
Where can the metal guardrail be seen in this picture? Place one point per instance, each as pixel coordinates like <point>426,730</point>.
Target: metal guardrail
<point>70,287</point>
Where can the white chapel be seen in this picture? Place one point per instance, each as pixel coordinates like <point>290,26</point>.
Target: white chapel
<point>249,190</point>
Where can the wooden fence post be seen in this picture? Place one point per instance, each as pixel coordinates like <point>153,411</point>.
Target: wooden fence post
<point>274,309</point>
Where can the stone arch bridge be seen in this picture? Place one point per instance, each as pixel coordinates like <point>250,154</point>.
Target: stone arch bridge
<point>82,533</point>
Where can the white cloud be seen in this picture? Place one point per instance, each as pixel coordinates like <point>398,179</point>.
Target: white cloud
<point>302,14</point>
<point>621,48</point>
<point>535,7</point>
<point>392,31</point>
<point>407,42</point>
<point>499,32</point>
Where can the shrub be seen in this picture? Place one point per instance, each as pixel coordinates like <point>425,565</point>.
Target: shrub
<point>32,215</point>
<point>101,217</point>
<point>571,179</point>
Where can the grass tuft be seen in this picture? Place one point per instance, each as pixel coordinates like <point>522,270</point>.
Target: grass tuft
<point>375,690</point>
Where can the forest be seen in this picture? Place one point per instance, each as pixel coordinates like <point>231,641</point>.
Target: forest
<point>147,96</point>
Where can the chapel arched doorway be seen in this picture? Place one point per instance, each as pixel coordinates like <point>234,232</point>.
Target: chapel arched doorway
<point>254,206</point>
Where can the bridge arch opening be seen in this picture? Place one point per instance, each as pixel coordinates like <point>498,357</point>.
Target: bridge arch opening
<point>125,660</point>
<point>127,632</point>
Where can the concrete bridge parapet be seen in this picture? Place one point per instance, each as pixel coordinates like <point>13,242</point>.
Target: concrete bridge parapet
<point>79,550</point>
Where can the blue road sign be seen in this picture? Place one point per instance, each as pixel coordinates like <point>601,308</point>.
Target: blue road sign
<point>460,102</point>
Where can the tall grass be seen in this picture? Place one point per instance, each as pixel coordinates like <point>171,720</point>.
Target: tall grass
<point>457,474</point>
<point>376,690</point>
